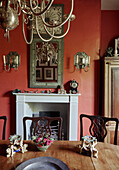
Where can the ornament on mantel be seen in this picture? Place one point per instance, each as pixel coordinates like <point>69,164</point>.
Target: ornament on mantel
<point>61,90</point>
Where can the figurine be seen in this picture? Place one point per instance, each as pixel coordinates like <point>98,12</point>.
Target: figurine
<point>16,91</point>
<point>87,144</point>
<point>16,145</point>
<point>49,91</point>
<point>61,90</point>
<point>109,51</point>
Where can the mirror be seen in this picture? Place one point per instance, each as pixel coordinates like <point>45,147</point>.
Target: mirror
<point>46,63</point>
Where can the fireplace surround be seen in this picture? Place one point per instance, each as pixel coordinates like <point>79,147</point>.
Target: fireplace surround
<point>28,104</point>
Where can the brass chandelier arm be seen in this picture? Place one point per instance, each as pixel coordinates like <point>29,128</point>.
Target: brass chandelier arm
<point>24,8</point>
<point>86,70</point>
<point>60,24</point>
<point>60,36</point>
<point>6,4</point>
<point>30,10</point>
<point>31,39</point>
<point>43,11</point>
<point>46,40</point>
<point>18,10</point>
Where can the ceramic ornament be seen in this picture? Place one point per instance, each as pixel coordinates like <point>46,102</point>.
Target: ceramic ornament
<point>88,144</point>
<point>16,145</point>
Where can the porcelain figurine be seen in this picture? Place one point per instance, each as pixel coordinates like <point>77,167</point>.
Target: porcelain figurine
<point>88,144</point>
<point>16,145</point>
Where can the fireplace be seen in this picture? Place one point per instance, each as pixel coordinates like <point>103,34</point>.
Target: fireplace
<point>29,104</point>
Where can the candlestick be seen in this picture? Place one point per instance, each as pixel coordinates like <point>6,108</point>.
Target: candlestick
<point>115,44</point>
<point>118,46</point>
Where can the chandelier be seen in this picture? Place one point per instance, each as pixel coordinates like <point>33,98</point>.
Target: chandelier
<point>32,11</point>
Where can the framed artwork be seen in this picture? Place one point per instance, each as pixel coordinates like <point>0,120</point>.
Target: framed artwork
<point>48,73</point>
<point>46,63</point>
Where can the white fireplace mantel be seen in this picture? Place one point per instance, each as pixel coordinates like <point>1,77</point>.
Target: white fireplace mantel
<point>23,108</point>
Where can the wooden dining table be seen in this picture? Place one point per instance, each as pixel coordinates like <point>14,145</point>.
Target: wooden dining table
<point>66,151</point>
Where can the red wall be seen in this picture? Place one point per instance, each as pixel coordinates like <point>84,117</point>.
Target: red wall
<point>109,29</point>
<point>84,36</point>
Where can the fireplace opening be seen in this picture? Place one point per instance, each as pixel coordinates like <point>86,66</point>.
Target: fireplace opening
<point>54,125</point>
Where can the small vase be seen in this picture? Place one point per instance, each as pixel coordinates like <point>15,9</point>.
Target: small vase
<point>42,148</point>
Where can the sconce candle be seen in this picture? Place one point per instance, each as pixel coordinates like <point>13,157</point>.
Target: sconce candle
<point>17,59</point>
<point>4,61</point>
<point>77,59</point>
<point>83,60</point>
<point>89,60</point>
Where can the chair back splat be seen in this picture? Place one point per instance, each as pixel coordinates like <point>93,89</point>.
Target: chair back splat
<point>98,126</point>
<point>4,118</point>
<point>42,125</point>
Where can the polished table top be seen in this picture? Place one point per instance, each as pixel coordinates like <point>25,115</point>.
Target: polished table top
<point>108,156</point>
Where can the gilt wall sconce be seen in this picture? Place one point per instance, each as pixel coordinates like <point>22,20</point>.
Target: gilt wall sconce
<point>12,60</point>
<point>82,61</point>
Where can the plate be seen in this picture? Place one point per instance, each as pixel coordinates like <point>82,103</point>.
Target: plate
<point>43,163</point>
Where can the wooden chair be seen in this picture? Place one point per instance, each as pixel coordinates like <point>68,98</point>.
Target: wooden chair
<point>43,125</point>
<point>98,126</point>
<point>4,126</point>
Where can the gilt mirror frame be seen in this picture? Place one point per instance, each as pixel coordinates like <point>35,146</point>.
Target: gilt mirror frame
<point>34,83</point>
<point>57,11</point>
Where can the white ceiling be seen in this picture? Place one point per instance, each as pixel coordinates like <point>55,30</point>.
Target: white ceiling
<point>110,4</point>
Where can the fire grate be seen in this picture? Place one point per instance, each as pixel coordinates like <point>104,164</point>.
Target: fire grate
<point>54,125</point>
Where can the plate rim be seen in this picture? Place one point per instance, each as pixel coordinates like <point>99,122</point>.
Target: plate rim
<point>56,161</point>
